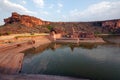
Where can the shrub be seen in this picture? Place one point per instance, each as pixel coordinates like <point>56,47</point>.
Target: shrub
<point>96,32</point>
<point>49,27</point>
<point>32,33</point>
<point>7,33</point>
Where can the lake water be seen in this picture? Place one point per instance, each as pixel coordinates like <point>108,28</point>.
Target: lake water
<point>93,61</point>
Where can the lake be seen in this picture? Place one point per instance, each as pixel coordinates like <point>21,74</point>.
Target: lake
<point>83,60</point>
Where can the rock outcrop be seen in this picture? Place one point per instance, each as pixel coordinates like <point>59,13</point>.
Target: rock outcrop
<point>19,24</point>
<point>26,20</point>
<point>111,26</point>
<point>98,27</point>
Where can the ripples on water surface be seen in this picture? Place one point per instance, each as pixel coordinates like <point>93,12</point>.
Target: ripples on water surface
<point>93,61</point>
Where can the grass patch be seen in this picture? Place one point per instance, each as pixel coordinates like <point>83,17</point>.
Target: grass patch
<point>31,35</point>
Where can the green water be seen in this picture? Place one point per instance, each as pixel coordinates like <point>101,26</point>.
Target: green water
<point>93,61</point>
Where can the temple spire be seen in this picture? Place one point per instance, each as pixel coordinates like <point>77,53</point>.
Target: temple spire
<point>73,30</point>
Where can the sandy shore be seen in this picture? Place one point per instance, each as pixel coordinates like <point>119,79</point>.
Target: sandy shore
<point>10,53</point>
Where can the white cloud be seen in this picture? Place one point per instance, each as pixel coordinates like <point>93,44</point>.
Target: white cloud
<point>60,5</point>
<point>39,3</point>
<point>23,2</point>
<point>100,11</point>
<point>6,7</point>
<point>58,11</point>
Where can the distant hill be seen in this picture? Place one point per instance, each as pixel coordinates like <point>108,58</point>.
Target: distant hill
<point>28,24</point>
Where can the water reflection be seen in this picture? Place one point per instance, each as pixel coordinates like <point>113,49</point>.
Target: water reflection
<point>40,49</point>
<point>112,39</point>
<point>94,61</point>
<point>54,46</point>
<point>82,45</point>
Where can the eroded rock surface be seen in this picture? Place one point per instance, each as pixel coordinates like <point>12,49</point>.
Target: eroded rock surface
<point>26,20</point>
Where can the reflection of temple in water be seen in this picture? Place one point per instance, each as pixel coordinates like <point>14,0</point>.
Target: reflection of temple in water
<point>83,45</point>
<point>72,46</point>
<point>54,46</point>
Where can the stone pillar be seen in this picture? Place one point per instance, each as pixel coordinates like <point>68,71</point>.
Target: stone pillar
<point>54,37</point>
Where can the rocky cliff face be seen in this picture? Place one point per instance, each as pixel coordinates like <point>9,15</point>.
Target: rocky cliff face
<point>19,24</point>
<point>112,26</point>
<point>26,20</point>
<point>98,27</point>
<point>23,24</point>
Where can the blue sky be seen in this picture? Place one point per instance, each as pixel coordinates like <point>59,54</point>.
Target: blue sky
<point>62,10</point>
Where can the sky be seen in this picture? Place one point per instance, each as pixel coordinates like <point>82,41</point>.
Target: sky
<point>62,10</point>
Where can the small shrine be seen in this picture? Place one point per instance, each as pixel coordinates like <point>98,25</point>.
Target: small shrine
<point>81,34</point>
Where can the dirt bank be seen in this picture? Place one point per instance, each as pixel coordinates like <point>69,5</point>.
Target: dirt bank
<point>11,56</point>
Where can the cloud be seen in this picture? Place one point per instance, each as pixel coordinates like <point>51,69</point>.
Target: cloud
<point>60,5</point>
<point>39,3</point>
<point>100,11</point>
<point>23,2</point>
<point>58,11</point>
<point>6,7</point>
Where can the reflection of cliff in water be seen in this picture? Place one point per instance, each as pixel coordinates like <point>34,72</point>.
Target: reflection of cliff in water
<point>72,46</point>
<point>112,39</point>
<point>37,50</point>
<point>83,45</point>
<point>55,46</point>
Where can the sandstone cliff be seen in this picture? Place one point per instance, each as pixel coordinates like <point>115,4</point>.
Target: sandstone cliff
<point>112,26</point>
<point>98,27</point>
<point>26,20</point>
<point>27,24</point>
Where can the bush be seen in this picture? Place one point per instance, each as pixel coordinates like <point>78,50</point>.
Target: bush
<point>49,27</point>
<point>7,33</point>
<point>96,32</point>
<point>32,33</point>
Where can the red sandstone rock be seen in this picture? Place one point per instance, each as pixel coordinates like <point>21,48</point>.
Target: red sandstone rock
<point>22,22</point>
<point>118,23</point>
<point>26,20</point>
<point>112,26</point>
